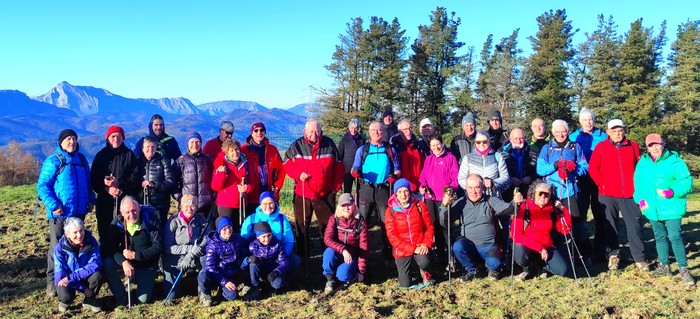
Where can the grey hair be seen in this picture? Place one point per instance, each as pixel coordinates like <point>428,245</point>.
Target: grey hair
<point>560,122</point>
<point>375,123</point>
<point>485,134</point>
<point>72,222</point>
<point>127,199</point>
<point>405,121</point>
<point>313,121</point>
<point>355,122</point>
<point>586,111</point>
<point>538,184</point>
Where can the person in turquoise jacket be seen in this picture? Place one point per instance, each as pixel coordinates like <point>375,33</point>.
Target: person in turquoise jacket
<point>661,183</point>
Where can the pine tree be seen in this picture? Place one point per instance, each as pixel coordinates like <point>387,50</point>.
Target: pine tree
<point>463,93</point>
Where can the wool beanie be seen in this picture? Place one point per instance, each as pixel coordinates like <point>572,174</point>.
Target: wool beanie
<point>66,133</point>
<point>262,228</point>
<point>388,112</point>
<point>494,115</point>
<point>114,129</point>
<point>266,195</point>
<point>401,183</point>
<point>222,222</point>
<point>257,125</point>
<point>192,135</point>
<point>468,118</point>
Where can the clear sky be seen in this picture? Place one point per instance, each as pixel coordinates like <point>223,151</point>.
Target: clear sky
<point>269,52</point>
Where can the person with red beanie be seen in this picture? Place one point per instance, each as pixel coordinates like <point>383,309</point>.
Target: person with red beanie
<point>265,168</point>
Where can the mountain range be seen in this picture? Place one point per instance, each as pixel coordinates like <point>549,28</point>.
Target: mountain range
<point>35,122</point>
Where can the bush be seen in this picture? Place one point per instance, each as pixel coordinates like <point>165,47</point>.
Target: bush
<point>19,167</point>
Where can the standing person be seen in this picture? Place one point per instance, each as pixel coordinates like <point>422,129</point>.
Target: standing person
<point>166,145</point>
<point>560,162</point>
<point>463,144</point>
<point>313,162</point>
<point>588,137</point>
<point>77,264</point>
<point>135,245</point>
<point>612,167</point>
<point>410,153</point>
<point>230,181</point>
<point>158,178</point>
<point>476,242</point>
<point>426,130</point>
<point>661,184</point>
<point>410,232</point>
<point>267,260</point>
<point>213,146</point>
<point>114,174</point>
<point>184,242</point>
<point>376,166</point>
<point>439,172</point>
<point>389,127</point>
<point>225,250</point>
<point>196,169</point>
<point>521,161</point>
<point>539,137</point>
<point>347,242</point>
<point>347,147</point>
<point>64,188</point>
<point>486,162</point>
<point>498,136</point>
<point>264,166</point>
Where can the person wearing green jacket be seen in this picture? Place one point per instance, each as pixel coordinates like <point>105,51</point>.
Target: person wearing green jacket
<point>661,183</point>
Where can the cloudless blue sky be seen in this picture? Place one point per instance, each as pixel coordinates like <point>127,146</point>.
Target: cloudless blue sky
<point>270,52</point>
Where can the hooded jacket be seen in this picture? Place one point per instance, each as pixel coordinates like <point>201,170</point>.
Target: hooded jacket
<point>281,228</point>
<point>76,263</point>
<point>667,172</point>
<point>226,182</point>
<point>180,237</point>
<point>224,256</point>
<point>195,177</point>
<point>345,234</point>
<point>408,228</point>
<point>271,256</point>
<point>167,145</point>
<point>439,171</point>
<point>69,189</point>
<point>275,171</point>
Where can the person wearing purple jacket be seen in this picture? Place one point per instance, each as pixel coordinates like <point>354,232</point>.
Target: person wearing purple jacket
<point>267,260</point>
<point>439,171</point>
<point>224,253</point>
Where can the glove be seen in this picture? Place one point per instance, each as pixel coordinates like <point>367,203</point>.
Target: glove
<point>559,164</point>
<point>392,178</point>
<point>666,193</point>
<point>562,174</point>
<point>643,204</point>
<point>185,262</point>
<point>570,166</point>
<point>273,275</point>
<point>355,172</point>
<point>196,251</point>
<point>252,259</point>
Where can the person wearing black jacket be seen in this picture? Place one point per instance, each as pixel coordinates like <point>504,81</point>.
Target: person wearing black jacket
<point>158,178</point>
<point>134,245</point>
<point>389,127</point>
<point>166,145</point>
<point>113,175</point>
<point>347,146</point>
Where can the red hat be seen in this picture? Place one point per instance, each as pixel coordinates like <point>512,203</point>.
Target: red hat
<point>114,129</point>
<point>257,125</point>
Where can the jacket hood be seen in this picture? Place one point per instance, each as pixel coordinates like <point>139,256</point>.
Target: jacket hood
<point>89,243</point>
<point>150,130</point>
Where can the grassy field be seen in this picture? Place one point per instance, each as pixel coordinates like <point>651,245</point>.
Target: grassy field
<point>629,293</point>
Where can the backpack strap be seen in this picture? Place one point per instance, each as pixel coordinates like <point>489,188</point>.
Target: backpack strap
<point>62,164</point>
<point>389,154</point>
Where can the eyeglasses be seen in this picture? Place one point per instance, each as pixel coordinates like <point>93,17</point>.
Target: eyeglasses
<point>227,132</point>
<point>259,130</point>
<point>539,193</point>
<point>481,142</point>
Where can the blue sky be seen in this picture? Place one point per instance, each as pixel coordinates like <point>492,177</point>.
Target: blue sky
<point>270,52</point>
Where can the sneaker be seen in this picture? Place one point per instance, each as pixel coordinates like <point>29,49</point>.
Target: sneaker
<point>686,276</point>
<point>613,262</point>
<point>252,294</point>
<point>205,299</point>
<point>662,271</point>
<point>543,274</point>
<point>522,276</point>
<point>468,277</point>
<point>494,275</point>
<point>427,278</point>
<point>643,266</point>
<point>51,291</point>
<point>329,287</point>
<point>92,305</point>
<point>62,307</point>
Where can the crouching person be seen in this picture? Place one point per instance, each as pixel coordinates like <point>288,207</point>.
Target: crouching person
<point>183,243</point>
<point>224,254</point>
<point>134,244</point>
<point>410,232</point>
<point>347,240</point>
<point>76,266</point>
<point>267,261</point>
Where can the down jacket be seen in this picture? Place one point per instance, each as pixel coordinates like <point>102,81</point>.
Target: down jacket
<point>121,162</point>
<point>271,256</point>
<point>320,161</point>
<point>196,170</point>
<point>76,263</point>
<point>667,172</point>
<point>226,182</point>
<point>158,171</point>
<point>167,145</point>
<point>224,256</point>
<point>275,171</point>
<point>281,228</point>
<point>551,153</point>
<point>491,165</point>
<point>612,168</point>
<point>439,171</point>
<point>349,234</point>
<point>533,225</point>
<point>69,189</point>
<point>408,228</point>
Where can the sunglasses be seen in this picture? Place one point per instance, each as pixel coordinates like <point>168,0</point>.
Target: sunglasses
<point>481,142</point>
<point>259,130</point>
<point>538,193</point>
<point>227,132</point>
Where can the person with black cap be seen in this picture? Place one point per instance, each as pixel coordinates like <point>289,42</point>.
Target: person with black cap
<point>167,145</point>
<point>498,135</point>
<point>225,250</point>
<point>265,170</point>
<point>64,188</point>
<point>463,144</point>
<point>267,260</point>
<point>213,146</point>
<point>389,127</point>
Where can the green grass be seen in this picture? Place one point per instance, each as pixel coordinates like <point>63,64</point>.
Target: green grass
<point>627,294</point>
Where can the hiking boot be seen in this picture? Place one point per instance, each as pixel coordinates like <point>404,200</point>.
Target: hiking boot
<point>643,266</point>
<point>51,291</point>
<point>543,274</point>
<point>451,265</point>
<point>62,307</point>
<point>329,287</point>
<point>662,271</point>
<point>427,278</point>
<point>92,305</point>
<point>468,277</point>
<point>252,294</point>
<point>205,299</point>
<point>687,277</point>
<point>494,275</point>
<point>522,276</point>
<point>613,262</point>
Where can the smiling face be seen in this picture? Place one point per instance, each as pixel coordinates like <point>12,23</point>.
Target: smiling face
<point>537,127</point>
<point>403,195</point>
<point>617,134</point>
<point>69,144</point>
<point>375,133</point>
<point>233,152</point>
<point>474,188</point>
<point>405,129</point>
<point>149,149</point>
<point>194,145</point>
<point>312,132</point>
<point>468,129</point>
<point>158,127</point>
<point>655,149</point>
<point>542,195</point>
<point>115,140</point>
<point>560,133</point>
<point>517,138</point>
<point>481,142</point>
<point>75,235</point>
<point>130,212</point>
<point>258,135</point>
<point>265,239</point>
<point>226,232</point>
<point>436,146</point>
<point>267,206</point>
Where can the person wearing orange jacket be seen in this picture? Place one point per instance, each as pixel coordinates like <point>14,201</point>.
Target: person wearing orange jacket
<point>410,232</point>
<point>230,180</point>
<point>264,166</point>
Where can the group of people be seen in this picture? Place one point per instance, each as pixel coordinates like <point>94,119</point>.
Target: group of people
<point>434,204</point>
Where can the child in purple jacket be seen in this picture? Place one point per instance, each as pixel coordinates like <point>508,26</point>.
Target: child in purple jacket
<point>225,250</point>
<point>267,261</point>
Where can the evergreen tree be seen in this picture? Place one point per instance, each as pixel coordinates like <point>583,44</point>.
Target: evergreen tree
<point>463,93</point>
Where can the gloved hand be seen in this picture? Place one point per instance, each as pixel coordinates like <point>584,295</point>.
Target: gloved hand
<point>196,251</point>
<point>562,174</point>
<point>643,204</point>
<point>570,166</point>
<point>252,259</point>
<point>273,275</point>
<point>665,193</point>
<point>393,178</point>
<point>185,262</point>
<point>355,172</point>
<point>559,164</point>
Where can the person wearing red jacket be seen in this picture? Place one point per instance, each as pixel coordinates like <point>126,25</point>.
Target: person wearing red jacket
<point>213,146</point>
<point>532,231</point>
<point>230,180</point>
<point>264,166</point>
<point>410,232</point>
<point>411,154</point>
<point>612,167</point>
<point>313,163</point>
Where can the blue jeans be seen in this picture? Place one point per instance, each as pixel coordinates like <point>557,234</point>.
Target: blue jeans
<point>144,278</point>
<point>334,263</point>
<point>467,253</point>
<point>206,282</point>
<point>666,231</point>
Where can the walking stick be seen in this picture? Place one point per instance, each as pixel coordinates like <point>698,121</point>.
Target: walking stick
<point>128,279</point>
<point>448,192</point>
<point>571,232</point>
<point>512,249</point>
<point>306,228</point>
<point>241,205</point>
<point>172,289</point>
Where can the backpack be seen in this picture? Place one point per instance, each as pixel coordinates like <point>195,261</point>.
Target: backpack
<point>389,154</point>
<point>420,210</point>
<point>356,230</point>
<point>61,166</point>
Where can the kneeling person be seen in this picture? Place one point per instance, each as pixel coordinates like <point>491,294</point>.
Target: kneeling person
<point>224,253</point>
<point>267,260</point>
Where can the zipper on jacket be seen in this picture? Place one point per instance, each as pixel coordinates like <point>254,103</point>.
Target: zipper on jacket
<point>619,161</point>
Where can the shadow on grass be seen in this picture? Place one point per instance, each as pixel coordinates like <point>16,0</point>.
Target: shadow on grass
<point>22,276</point>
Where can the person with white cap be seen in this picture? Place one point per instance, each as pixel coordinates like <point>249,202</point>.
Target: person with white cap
<point>463,144</point>
<point>426,129</point>
<point>611,167</point>
<point>213,146</point>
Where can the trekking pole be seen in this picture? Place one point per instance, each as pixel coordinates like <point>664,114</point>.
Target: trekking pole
<point>512,248</point>
<point>116,203</point>
<point>306,228</point>
<point>575,249</point>
<point>172,289</point>
<point>357,193</point>
<point>128,279</point>
<point>241,205</point>
<point>570,250</point>
<point>448,193</point>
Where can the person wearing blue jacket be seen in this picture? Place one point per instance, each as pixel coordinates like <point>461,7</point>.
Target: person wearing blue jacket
<point>269,212</point>
<point>64,188</point>
<point>225,250</point>
<point>561,162</point>
<point>77,266</point>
